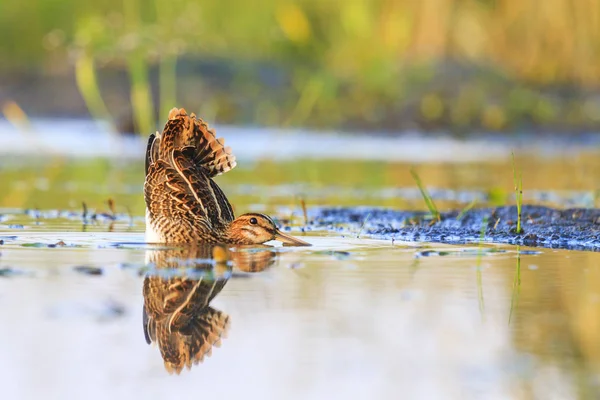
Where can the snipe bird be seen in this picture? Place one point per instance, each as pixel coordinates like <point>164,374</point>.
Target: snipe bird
<point>183,202</point>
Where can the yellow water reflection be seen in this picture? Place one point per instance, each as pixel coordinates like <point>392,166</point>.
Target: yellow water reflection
<point>564,179</point>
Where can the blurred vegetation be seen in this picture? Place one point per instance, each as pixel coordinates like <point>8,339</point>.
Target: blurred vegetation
<point>358,64</point>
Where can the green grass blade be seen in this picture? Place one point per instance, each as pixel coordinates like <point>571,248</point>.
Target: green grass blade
<point>466,209</point>
<point>426,196</point>
<point>87,83</point>
<point>137,66</point>
<point>518,192</point>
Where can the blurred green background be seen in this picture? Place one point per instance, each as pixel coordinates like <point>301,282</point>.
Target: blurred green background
<point>384,65</point>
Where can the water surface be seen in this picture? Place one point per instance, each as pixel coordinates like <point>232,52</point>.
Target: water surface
<point>352,317</point>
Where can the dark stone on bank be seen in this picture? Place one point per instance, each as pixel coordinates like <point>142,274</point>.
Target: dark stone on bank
<point>87,270</point>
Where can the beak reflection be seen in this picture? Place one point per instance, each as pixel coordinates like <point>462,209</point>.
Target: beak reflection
<point>287,239</point>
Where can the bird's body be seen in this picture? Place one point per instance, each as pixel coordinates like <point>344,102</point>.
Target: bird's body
<point>183,202</point>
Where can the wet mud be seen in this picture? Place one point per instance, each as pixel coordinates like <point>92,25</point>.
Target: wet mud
<point>575,228</point>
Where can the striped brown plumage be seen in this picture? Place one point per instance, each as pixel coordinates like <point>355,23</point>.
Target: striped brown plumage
<point>183,130</point>
<point>182,199</point>
<point>183,202</point>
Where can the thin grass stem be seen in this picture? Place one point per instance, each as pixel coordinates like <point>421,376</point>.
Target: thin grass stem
<point>426,197</point>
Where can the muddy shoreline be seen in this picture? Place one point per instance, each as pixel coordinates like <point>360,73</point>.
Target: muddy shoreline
<point>574,228</point>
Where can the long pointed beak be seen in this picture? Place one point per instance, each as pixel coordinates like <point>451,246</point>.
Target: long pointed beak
<point>287,239</point>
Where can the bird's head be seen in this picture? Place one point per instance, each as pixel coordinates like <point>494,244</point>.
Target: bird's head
<point>257,228</point>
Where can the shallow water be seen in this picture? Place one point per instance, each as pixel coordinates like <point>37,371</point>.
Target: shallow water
<point>350,316</point>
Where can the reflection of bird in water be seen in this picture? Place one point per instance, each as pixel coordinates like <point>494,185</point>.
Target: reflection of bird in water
<point>183,203</point>
<point>256,258</point>
<point>177,312</point>
<point>177,315</point>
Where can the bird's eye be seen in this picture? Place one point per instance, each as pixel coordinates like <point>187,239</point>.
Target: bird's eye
<point>253,221</point>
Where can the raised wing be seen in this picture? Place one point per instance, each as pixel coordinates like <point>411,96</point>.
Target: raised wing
<point>210,153</point>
